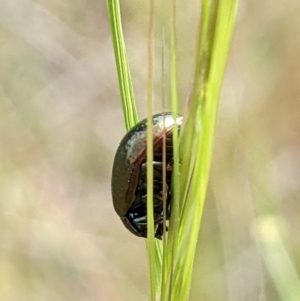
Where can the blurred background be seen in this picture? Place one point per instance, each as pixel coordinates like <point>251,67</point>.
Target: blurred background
<point>61,121</point>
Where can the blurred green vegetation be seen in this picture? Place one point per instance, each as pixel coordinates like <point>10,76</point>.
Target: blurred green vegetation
<point>61,121</point>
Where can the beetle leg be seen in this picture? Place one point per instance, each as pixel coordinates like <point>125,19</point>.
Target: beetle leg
<point>159,231</point>
<point>137,223</point>
<point>156,232</point>
<point>157,188</point>
<point>132,227</point>
<point>158,198</point>
<point>140,219</point>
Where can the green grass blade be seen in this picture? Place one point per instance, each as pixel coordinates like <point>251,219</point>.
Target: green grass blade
<point>271,231</point>
<point>196,141</point>
<point>268,230</point>
<point>124,78</point>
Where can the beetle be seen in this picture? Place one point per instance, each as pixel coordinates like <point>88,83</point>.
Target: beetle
<point>129,174</point>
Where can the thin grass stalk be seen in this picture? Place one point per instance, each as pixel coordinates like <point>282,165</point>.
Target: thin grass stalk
<point>174,222</point>
<point>163,267</point>
<point>152,246</point>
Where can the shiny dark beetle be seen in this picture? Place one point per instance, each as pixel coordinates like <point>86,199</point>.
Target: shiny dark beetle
<point>129,175</point>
